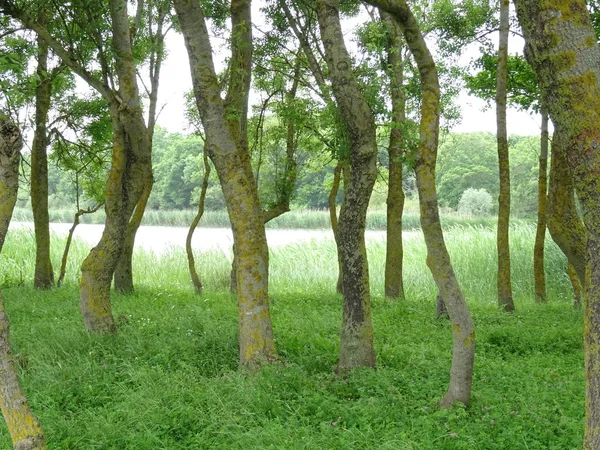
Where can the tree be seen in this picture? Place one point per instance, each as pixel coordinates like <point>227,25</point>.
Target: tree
<point>92,32</point>
<point>224,123</point>
<point>356,346</point>
<point>23,427</point>
<point>561,47</point>
<point>44,274</point>
<point>438,259</point>
<point>505,299</point>
<point>393,282</point>
<point>153,36</point>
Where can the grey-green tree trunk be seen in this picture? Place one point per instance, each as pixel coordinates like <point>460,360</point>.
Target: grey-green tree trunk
<point>438,259</point>
<point>44,274</point>
<point>356,344</point>
<point>562,48</point>
<point>505,296</point>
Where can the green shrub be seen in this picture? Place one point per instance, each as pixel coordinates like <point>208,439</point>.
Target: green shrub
<point>475,202</point>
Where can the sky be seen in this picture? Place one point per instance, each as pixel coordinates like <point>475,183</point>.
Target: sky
<point>176,81</point>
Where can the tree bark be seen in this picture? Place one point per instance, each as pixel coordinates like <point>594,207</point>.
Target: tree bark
<point>24,429</point>
<point>539,272</point>
<point>438,259</point>
<point>44,274</point>
<point>188,240</point>
<point>231,160</point>
<point>562,48</point>
<point>565,226</point>
<point>123,277</point>
<point>356,346</point>
<point>393,283</point>
<point>505,298</point>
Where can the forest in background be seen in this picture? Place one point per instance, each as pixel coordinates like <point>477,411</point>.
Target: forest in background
<point>465,161</point>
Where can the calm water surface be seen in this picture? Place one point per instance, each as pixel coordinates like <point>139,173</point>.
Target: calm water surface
<point>162,239</point>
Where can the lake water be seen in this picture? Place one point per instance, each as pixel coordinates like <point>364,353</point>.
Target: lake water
<point>162,239</point>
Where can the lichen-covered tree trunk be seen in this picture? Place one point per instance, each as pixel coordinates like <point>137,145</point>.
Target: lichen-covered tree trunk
<point>438,259</point>
<point>24,429</point>
<point>237,182</point>
<point>130,166</point>
<point>562,48</point>
<point>505,298</point>
<point>44,274</point>
<point>356,345</point>
<point>563,221</point>
<point>188,240</point>
<point>539,273</point>
<point>123,276</point>
<point>394,253</point>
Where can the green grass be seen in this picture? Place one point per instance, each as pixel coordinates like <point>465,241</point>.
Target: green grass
<point>169,379</point>
<point>296,219</point>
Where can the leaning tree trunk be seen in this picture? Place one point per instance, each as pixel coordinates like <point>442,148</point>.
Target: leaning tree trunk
<point>23,427</point>
<point>505,298</point>
<point>232,163</point>
<point>565,226</point>
<point>356,345</point>
<point>562,48</point>
<point>539,272</point>
<point>44,274</point>
<point>393,283</point>
<point>188,240</point>
<point>438,259</point>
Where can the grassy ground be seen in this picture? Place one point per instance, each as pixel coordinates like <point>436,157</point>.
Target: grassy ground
<point>169,379</point>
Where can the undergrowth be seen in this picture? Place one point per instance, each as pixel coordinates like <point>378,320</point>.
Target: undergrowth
<point>169,379</point>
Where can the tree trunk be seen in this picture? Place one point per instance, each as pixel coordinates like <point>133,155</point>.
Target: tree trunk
<point>576,284</point>
<point>123,276</point>
<point>539,272</point>
<point>333,217</point>
<point>393,283</point>
<point>565,226</point>
<point>505,299</point>
<point>438,259</point>
<point>562,48</point>
<point>44,274</point>
<point>232,163</point>
<point>23,427</point>
<point>65,256</point>
<point>356,346</point>
<point>130,166</point>
<point>188,240</point>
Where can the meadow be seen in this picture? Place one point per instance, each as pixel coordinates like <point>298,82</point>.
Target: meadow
<point>169,379</point>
